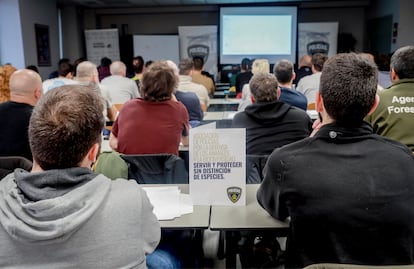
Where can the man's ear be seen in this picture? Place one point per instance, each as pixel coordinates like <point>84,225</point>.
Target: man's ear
<point>374,106</point>
<point>293,77</point>
<point>252,99</point>
<point>319,102</point>
<point>393,75</point>
<point>93,152</point>
<point>278,92</point>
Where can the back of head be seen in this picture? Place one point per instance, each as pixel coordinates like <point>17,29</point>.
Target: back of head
<point>305,60</point>
<point>138,64</point>
<point>24,82</point>
<point>283,71</point>
<point>318,60</point>
<point>246,64</point>
<point>64,69</point>
<point>402,61</point>
<point>64,125</point>
<point>263,87</point>
<point>105,61</point>
<point>118,68</point>
<point>86,70</point>
<point>185,67</point>
<point>198,63</point>
<point>348,87</point>
<point>260,66</point>
<point>158,82</point>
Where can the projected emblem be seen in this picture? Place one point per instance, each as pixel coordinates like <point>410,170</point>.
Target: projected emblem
<point>318,47</point>
<point>198,51</point>
<point>234,193</point>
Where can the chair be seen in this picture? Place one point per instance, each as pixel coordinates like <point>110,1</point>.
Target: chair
<point>9,163</point>
<point>254,168</point>
<point>156,168</point>
<point>354,266</point>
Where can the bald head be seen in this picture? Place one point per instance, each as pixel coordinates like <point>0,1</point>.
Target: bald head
<point>118,68</point>
<point>25,86</point>
<point>87,72</point>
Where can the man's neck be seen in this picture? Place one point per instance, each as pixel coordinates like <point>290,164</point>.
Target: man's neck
<point>286,85</point>
<point>22,99</point>
<point>197,72</point>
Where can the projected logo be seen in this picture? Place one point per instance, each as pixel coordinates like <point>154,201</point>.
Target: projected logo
<point>198,51</point>
<point>318,47</point>
<point>234,193</point>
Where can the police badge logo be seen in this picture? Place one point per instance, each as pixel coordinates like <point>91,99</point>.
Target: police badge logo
<point>234,193</point>
<point>198,51</point>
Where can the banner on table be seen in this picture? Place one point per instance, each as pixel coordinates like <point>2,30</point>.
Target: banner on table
<point>200,41</point>
<point>102,43</point>
<point>218,166</point>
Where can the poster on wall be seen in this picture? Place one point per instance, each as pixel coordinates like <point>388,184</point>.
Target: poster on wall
<point>200,41</point>
<point>318,37</point>
<point>217,166</point>
<point>42,45</point>
<point>102,43</point>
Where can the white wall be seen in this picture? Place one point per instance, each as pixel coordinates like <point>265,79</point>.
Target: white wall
<point>39,12</point>
<point>72,38</point>
<point>11,43</point>
<point>405,28</point>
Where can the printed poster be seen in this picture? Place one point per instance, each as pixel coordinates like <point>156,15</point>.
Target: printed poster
<point>102,43</point>
<point>318,37</point>
<point>200,41</point>
<point>218,166</point>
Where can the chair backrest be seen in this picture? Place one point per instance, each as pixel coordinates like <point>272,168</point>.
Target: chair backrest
<point>156,168</point>
<point>9,163</point>
<point>354,266</point>
<point>254,168</point>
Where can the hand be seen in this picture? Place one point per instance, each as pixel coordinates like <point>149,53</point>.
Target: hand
<point>317,124</point>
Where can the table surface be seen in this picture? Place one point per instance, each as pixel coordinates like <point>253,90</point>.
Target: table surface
<point>224,101</point>
<point>199,219</point>
<point>249,217</point>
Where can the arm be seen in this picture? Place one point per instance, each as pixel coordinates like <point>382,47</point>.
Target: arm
<point>112,113</point>
<point>150,226</point>
<point>113,142</point>
<point>269,192</point>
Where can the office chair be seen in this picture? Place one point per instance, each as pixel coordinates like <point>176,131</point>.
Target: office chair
<point>9,163</point>
<point>156,168</point>
<point>254,168</point>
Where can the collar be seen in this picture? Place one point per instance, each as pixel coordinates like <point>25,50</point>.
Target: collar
<point>402,81</point>
<point>337,132</point>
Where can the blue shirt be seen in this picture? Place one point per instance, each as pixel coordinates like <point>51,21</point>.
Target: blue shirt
<point>293,98</point>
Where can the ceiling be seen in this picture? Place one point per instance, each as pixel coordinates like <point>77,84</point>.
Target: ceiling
<point>152,3</point>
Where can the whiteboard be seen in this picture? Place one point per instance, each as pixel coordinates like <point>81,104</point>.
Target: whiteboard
<point>157,47</point>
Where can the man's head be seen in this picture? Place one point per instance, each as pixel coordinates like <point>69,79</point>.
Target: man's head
<point>65,127</point>
<point>158,82</point>
<point>118,68</point>
<point>138,64</point>
<point>198,63</point>
<point>283,72</point>
<point>318,60</point>
<point>246,64</point>
<point>260,66</point>
<point>65,70</point>
<point>305,60</point>
<point>402,63</point>
<point>25,87</point>
<point>264,88</point>
<point>87,72</point>
<point>348,88</point>
<point>185,67</point>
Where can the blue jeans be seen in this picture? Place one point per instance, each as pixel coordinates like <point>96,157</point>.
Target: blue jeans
<point>163,258</point>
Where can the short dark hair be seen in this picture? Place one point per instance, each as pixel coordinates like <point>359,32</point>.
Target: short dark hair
<point>402,61</point>
<point>139,67</point>
<point>64,69</point>
<point>158,82</point>
<point>65,123</point>
<point>198,63</point>
<point>263,87</point>
<point>246,64</point>
<point>185,67</point>
<point>283,71</point>
<point>318,60</point>
<point>348,86</point>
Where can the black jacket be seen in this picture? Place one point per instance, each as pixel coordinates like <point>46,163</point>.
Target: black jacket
<point>350,196</point>
<point>272,125</point>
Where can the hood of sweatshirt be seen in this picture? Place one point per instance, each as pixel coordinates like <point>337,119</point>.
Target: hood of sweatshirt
<point>50,205</point>
<point>267,113</point>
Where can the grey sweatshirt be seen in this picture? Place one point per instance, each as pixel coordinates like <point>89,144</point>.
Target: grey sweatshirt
<point>73,218</point>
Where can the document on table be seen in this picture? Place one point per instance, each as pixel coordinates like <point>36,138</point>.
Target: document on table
<point>169,202</point>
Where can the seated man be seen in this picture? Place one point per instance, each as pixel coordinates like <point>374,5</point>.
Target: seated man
<point>25,91</point>
<point>394,116</point>
<point>347,191</point>
<point>285,75</point>
<point>270,123</point>
<point>61,214</point>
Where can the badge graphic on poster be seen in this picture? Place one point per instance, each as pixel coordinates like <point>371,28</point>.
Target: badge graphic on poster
<point>198,51</point>
<point>234,193</point>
